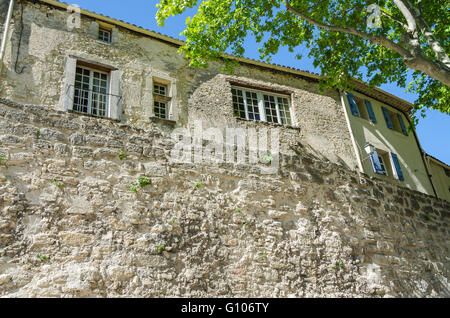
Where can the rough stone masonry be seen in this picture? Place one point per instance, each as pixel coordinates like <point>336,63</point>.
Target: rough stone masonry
<point>73,225</point>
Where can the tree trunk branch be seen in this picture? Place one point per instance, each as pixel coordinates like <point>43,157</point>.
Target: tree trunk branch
<point>414,56</point>
<point>422,25</point>
<point>405,10</point>
<point>374,39</point>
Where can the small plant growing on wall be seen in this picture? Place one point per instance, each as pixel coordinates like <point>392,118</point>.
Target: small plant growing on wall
<point>338,264</point>
<point>43,258</point>
<point>134,188</point>
<point>237,210</point>
<point>57,183</point>
<point>263,255</point>
<point>160,248</point>
<point>144,181</point>
<point>2,158</point>
<point>200,184</point>
<point>122,155</point>
<point>38,133</point>
<point>267,158</point>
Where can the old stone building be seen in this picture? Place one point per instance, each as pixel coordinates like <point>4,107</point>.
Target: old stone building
<point>92,204</point>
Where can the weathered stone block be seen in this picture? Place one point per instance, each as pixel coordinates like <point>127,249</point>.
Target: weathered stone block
<point>77,138</point>
<point>76,239</point>
<point>11,140</point>
<point>82,152</point>
<point>50,134</point>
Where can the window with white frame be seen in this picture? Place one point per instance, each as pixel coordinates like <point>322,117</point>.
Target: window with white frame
<point>160,101</point>
<point>261,106</point>
<point>91,93</point>
<point>160,89</point>
<point>104,35</point>
<point>382,164</point>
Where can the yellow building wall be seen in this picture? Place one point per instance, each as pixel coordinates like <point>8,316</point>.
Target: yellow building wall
<point>441,180</point>
<point>388,140</point>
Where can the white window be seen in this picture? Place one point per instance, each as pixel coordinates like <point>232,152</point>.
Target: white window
<point>160,89</point>
<point>91,93</point>
<point>160,101</point>
<point>104,35</point>
<point>383,165</point>
<point>261,106</point>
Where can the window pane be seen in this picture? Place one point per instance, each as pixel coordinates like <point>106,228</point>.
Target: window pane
<point>271,109</point>
<point>91,92</point>
<point>160,109</point>
<point>252,106</point>
<point>383,167</point>
<point>246,105</point>
<point>238,103</point>
<point>81,96</point>
<point>285,114</point>
<point>104,35</point>
<point>160,89</point>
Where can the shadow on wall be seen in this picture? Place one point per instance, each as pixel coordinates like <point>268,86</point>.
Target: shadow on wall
<point>309,151</point>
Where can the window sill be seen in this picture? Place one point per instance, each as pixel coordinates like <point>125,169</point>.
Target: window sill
<point>388,178</point>
<point>162,120</point>
<point>103,42</point>
<point>365,120</point>
<point>94,116</point>
<point>267,123</point>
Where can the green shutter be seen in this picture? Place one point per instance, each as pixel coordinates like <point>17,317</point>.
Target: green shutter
<point>373,119</point>
<point>402,124</point>
<point>387,117</point>
<point>396,165</point>
<point>352,103</point>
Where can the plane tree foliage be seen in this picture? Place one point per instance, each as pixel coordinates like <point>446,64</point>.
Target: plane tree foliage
<point>397,41</point>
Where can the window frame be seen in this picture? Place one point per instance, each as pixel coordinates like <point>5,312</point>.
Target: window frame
<point>166,88</point>
<point>261,105</point>
<point>104,30</point>
<point>383,164</point>
<point>90,91</point>
<point>396,125</point>
<point>362,108</point>
<point>161,99</point>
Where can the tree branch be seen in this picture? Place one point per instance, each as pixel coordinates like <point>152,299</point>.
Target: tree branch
<point>429,36</point>
<point>374,39</point>
<point>412,25</point>
<point>413,57</point>
<point>405,26</point>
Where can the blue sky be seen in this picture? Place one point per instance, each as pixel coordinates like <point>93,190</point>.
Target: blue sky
<point>433,131</point>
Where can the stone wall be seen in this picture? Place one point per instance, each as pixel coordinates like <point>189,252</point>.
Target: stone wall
<point>71,227</point>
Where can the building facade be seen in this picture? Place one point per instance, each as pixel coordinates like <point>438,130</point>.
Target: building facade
<point>440,175</point>
<point>98,66</point>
